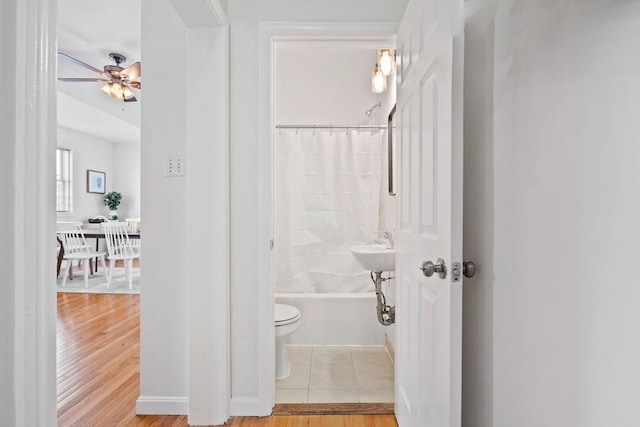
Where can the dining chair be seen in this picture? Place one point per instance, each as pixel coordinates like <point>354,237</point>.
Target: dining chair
<point>76,249</point>
<point>65,225</point>
<point>133,224</point>
<point>61,226</point>
<point>119,247</point>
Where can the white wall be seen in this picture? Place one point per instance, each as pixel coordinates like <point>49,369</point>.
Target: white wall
<point>245,162</point>
<point>208,221</point>
<point>324,82</point>
<point>163,306</point>
<point>121,164</point>
<point>555,211</point>
<point>126,178</point>
<point>184,299</point>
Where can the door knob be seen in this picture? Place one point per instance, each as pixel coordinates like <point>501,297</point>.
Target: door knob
<point>428,268</point>
<point>468,268</point>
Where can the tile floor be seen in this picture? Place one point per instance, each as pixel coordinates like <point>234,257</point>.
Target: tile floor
<point>327,374</point>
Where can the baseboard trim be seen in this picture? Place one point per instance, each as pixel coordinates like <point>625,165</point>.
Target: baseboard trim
<point>248,407</point>
<point>334,409</point>
<point>390,349</point>
<point>162,405</point>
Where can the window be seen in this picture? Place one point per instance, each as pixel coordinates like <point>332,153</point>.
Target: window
<point>64,189</point>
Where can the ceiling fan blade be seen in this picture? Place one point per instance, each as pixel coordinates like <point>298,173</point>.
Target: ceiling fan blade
<point>132,71</point>
<point>81,79</point>
<point>130,99</point>
<point>136,85</point>
<point>78,62</point>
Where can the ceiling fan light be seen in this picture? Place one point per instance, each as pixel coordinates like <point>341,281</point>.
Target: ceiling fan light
<point>378,80</point>
<point>126,93</point>
<point>387,61</point>
<point>116,90</point>
<point>106,88</point>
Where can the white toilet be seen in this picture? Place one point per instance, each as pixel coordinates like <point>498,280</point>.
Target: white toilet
<point>287,320</point>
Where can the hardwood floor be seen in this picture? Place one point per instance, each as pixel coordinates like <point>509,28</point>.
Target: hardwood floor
<point>98,339</point>
<point>98,360</point>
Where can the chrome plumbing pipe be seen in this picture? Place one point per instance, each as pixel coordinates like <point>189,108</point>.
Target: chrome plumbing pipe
<point>386,313</point>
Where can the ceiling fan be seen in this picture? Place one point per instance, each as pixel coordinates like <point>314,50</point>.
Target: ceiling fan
<point>119,80</point>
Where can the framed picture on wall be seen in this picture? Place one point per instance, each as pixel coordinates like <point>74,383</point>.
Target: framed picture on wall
<point>96,181</point>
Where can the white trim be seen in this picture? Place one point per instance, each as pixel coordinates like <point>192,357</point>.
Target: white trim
<point>266,342</point>
<point>162,405</point>
<point>29,302</point>
<point>219,13</point>
<point>247,406</point>
<point>200,13</point>
<point>270,32</point>
<point>390,349</point>
<point>208,226</point>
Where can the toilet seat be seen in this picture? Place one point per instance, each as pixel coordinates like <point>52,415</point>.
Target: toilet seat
<point>286,314</point>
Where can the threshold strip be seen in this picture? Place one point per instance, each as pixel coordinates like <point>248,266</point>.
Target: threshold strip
<point>333,409</point>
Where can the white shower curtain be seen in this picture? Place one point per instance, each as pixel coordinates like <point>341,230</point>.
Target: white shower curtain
<point>327,199</point>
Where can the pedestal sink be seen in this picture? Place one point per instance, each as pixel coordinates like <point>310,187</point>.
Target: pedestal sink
<point>375,257</point>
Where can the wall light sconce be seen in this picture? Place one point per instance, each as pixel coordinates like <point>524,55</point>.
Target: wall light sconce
<point>378,80</point>
<point>387,61</point>
<point>385,66</point>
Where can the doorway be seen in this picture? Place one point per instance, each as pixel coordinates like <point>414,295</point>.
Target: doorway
<point>330,193</point>
<point>103,135</point>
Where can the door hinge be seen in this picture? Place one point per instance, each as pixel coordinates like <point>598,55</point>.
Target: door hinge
<point>271,244</point>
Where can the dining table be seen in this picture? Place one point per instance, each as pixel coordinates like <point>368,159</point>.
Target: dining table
<point>98,233</point>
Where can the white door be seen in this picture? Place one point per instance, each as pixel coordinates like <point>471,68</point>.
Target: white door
<point>428,309</point>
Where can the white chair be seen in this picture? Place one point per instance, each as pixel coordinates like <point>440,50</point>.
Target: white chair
<point>61,226</point>
<point>67,225</point>
<point>119,247</point>
<point>76,249</point>
<point>133,225</point>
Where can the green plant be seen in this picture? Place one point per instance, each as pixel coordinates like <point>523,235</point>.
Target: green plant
<point>112,199</point>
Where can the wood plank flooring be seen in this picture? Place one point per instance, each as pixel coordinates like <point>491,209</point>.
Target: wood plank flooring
<point>98,371</point>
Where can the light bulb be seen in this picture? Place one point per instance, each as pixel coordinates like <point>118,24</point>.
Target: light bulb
<point>106,88</point>
<point>126,92</point>
<point>116,90</point>
<point>378,81</point>
<point>386,61</point>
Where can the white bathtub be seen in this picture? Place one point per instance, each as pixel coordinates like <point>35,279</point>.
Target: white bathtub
<point>335,318</point>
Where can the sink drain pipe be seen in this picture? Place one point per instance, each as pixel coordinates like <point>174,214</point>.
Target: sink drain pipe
<point>386,313</point>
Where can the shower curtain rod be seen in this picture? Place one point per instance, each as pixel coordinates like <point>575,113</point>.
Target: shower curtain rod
<point>354,127</point>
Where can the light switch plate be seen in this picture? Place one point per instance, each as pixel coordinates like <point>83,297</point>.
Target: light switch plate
<point>174,166</point>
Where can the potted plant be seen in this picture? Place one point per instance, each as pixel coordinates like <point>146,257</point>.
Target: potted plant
<point>112,200</point>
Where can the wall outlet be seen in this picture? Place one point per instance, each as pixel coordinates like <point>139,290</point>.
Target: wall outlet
<point>174,166</point>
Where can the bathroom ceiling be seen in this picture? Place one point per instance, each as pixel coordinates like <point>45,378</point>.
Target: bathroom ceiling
<point>89,30</point>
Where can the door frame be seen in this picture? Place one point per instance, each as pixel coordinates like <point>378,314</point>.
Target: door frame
<point>27,264</point>
<point>269,33</point>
